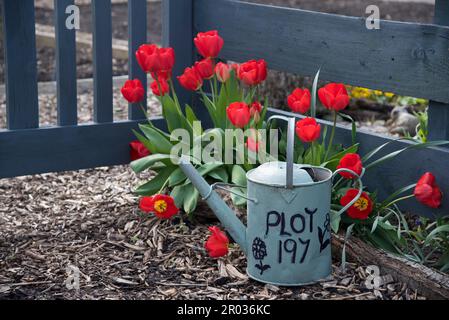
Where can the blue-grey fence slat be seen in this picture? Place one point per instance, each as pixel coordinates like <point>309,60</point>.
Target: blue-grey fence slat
<point>20,62</point>
<point>66,148</point>
<point>137,29</point>
<point>177,22</point>
<point>404,58</point>
<point>438,113</point>
<point>102,59</point>
<point>65,66</point>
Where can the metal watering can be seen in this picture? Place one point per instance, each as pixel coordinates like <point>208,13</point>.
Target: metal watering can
<point>287,241</point>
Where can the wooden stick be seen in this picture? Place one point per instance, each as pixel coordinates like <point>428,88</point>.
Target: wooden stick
<point>430,282</point>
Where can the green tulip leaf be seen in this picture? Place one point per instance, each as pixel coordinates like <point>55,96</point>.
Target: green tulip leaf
<point>177,177</point>
<point>314,94</point>
<point>220,174</point>
<point>144,163</point>
<point>161,143</point>
<point>178,193</point>
<point>437,232</point>
<point>238,200</point>
<point>173,116</point>
<point>335,221</point>
<point>154,185</point>
<point>146,142</point>
<point>190,198</point>
<point>238,175</point>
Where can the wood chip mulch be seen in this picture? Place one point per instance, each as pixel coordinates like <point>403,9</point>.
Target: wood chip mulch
<point>89,220</point>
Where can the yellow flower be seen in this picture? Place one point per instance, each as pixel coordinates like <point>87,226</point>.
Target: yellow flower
<point>389,95</point>
<point>360,93</point>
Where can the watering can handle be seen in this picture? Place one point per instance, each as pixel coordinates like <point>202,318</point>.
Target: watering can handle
<point>290,147</point>
<point>359,179</point>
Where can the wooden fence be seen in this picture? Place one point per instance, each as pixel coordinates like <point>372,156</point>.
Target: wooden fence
<point>404,58</point>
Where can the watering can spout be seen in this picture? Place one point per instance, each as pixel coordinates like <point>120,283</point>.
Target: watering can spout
<point>227,217</point>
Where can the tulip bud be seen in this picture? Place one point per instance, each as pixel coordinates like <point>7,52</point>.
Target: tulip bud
<point>308,130</point>
<point>255,110</point>
<point>239,114</point>
<point>190,79</point>
<point>334,96</point>
<point>222,71</point>
<point>133,91</point>
<point>205,68</point>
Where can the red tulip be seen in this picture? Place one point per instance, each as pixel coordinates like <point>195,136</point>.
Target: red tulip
<point>217,244</point>
<point>162,84</point>
<point>153,59</point>
<point>352,162</point>
<point>133,91</point>
<point>252,72</point>
<point>255,110</point>
<point>361,209</point>
<point>161,75</point>
<point>209,44</point>
<point>190,79</point>
<point>161,205</point>
<point>334,96</point>
<point>308,130</point>
<point>222,71</point>
<point>239,114</point>
<point>138,150</point>
<point>235,67</point>
<point>205,68</point>
<point>299,100</point>
<point>427,191</point>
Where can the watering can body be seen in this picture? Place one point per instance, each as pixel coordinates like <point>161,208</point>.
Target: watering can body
<point>287,240</point>
<point>288,230</point>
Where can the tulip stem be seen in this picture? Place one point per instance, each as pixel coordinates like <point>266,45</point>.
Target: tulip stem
<point>175,96</point>
<point>336,185</point>
<point>399,199</point>
<point>214,93</point>
<point>206,97</point>
<point>163,186</point>
<point>215,87</point>
<point>144,111</point>
<point>331,139</point>
<point>312,150</point>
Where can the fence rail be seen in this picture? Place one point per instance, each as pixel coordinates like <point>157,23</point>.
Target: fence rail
<point>404,58</point>
<point>66,148</point>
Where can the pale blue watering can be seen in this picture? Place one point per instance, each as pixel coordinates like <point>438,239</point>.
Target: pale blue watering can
<point>287,241</point>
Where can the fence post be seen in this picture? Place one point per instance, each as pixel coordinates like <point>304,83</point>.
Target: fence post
<point>177,32</point>
<point>20,61</point>
<point>102,53</point>
<point>65,66</point>
<point>439,112</point>
<point>137,34</point>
